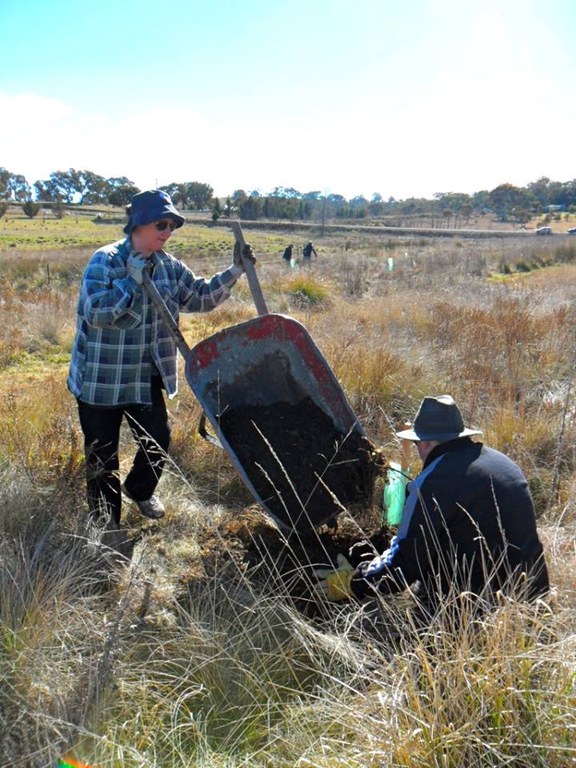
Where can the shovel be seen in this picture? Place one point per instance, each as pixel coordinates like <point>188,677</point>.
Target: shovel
<point>279,412</point>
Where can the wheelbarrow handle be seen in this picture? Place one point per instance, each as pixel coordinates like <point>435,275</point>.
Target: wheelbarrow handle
<point>165,314</point>
<point>250,271</point>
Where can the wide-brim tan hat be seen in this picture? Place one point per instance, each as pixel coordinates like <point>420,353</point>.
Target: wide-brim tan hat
<point>438,418</point>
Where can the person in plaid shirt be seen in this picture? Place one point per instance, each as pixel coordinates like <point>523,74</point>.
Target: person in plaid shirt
<point>124,358</point>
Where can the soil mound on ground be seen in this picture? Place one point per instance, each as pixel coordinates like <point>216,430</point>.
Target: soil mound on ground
<point>249,544</point>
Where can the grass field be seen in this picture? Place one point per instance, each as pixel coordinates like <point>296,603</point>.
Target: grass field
<point>192,656</point>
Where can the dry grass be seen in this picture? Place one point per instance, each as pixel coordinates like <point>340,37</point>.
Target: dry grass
<point>139,667</point>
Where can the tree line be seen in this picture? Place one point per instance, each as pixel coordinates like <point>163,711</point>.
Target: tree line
<point>506,201</point>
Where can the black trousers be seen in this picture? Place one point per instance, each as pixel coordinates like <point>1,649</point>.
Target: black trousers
<point>101,427</point>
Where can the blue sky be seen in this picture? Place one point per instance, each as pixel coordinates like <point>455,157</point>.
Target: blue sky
<point>400,98</point>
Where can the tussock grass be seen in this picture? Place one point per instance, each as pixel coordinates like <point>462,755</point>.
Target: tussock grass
<point>307,292</point>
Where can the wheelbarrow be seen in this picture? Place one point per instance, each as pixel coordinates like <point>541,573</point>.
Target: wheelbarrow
<point>279,412</point>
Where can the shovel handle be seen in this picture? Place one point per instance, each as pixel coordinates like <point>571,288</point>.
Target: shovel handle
<point>164,313</point>
<point>250,271</point>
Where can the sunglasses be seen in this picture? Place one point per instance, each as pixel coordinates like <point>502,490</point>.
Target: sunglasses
<point>162,225</point>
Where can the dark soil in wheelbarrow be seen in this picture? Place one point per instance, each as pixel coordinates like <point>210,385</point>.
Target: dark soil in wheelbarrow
<point>318,481</point>
<point>304,470</point>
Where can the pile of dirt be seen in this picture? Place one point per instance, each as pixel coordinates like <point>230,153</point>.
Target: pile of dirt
<point>304,470</point>
<point>250,544</point>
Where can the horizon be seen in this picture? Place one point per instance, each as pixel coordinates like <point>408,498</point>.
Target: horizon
<point>302,193</point>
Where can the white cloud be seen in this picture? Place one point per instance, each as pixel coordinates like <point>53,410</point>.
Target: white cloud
<point>27,111</point>
<point>466,134</point>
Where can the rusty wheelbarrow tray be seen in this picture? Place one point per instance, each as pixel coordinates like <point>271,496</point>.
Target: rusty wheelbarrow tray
<point>280,413</point>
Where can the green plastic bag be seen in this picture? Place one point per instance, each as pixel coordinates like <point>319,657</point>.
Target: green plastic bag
<point>394,494</point>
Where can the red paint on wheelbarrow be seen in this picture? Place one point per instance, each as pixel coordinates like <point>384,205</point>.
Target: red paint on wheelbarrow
<point>267,362</point>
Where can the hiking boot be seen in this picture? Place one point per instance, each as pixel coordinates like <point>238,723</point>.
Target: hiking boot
<point>152,507</point>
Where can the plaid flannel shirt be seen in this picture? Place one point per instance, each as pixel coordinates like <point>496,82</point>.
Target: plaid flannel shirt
<point>120,339</point>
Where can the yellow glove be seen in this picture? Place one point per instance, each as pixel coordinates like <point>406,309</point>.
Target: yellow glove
<point>336,583</point>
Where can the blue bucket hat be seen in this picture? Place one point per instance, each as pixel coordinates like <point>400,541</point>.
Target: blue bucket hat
<point>149,206</point>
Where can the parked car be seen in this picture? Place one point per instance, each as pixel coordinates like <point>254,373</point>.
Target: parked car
<point>544,231</point>
<point>572,231</point>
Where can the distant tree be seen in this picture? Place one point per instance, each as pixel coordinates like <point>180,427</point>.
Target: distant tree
<point>4,208</point>
<point>31,209</point>
<point>251,207</point>
<point>561,193</point>
<point>239,196</point>
<point>481,201</point>
<point>228,207</point>
<point>288,192</point>
<point>376,205</point>
<point>540,189</point>
<point>64,185</point>
<point>122,192</point>
<point>199,194</point>
<point>342,211</point>
<point>216,209</point>
<point>358,207</point>
<point>291,209</point>
<point>466,212</point>
<point>18,188</point>
<point>506,197</point>
<point>180,194</point>
<point>47,191</point>
<point>409,207</point>
<point>283,206</point>
<point>172,190</point>
<point>521,215</point>
<point>92,188</point>
<point>5,177</point>
<point>305,210</point>
<point>570,188</point>
<point>121,181</point>
<point>13,186</point>
<point>58,209</point>
<point>455,201</point>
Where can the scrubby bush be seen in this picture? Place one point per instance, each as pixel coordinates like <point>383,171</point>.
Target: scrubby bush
<point>31,209</point>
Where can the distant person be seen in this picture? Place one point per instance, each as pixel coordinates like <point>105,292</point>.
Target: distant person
<point>124,358</point>
<point>468,523</point>
<point>307,252</point>
<point>288,253</point>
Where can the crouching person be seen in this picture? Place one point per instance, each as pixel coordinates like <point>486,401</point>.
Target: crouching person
<point>468,524</point>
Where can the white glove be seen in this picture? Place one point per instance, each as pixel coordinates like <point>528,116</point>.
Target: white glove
<point>335,583</point>
<point>135,265</point>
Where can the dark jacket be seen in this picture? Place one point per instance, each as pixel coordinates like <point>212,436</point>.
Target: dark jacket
<point>308,250</point>
<point>468,522</point>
